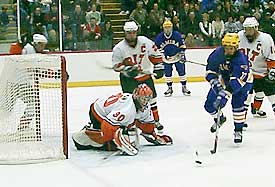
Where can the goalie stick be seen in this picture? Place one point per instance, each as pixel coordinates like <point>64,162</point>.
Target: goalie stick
<point>111,155</point>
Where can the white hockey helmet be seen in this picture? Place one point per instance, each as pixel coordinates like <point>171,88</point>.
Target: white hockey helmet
<point>46,2</point>
<point>250,22</point>
<point>39,38</point>
<point>130,26</point>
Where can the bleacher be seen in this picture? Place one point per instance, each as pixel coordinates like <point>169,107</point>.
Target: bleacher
<point>112,8</point>
<point>11,34</point>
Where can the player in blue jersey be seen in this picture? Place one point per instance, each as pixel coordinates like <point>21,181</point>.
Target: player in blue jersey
<point>228,73</point>
<point>172,46</point>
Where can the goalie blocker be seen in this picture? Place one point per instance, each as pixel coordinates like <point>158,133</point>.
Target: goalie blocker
<point>111,119</point>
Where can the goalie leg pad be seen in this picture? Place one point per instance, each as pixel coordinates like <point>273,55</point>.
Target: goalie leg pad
<point>158,139</point>
<point>123,143</point>
<point>82,141</point>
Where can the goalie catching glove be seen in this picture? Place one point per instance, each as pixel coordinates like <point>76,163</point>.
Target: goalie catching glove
<point>157,139</point>
<point>122,141</point>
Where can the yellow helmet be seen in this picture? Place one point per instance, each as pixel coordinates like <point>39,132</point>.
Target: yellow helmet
<point>167,23</point>
<point>231,39</point>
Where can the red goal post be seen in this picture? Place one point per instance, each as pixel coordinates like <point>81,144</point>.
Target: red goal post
<point>33,109</point>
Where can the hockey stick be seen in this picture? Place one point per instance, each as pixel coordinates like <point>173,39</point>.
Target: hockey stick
<point>214,150</point>
<point>103,66</point>
<point>110,68</point>
<point>198,63</point>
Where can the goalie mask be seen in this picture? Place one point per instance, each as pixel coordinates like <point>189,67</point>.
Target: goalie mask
<point>250,25</point>
<point>142,95</point>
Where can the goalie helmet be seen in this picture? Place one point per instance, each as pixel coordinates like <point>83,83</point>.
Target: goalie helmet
<point>130,26</point>
<point>142,95</point>
<point>250,22</point>
<point>231,39</point>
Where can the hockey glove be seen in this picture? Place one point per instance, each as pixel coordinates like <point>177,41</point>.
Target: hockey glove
<point>122,141</point>
<point>221,99</point>
<point>157,139</point>
<point>271,75</point>
<point>216,85</point>
<point>183,57</point>
<point>131,71</point>
<point>158,70</point>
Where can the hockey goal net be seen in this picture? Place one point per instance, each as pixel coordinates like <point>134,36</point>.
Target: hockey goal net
<point>33,111</point>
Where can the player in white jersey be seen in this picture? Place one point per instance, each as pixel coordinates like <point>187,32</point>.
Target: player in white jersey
<point>259,47</point>
<point>32,111</point>
<point>37,46</point>
<point>111,119</point>
<point>137,58</point>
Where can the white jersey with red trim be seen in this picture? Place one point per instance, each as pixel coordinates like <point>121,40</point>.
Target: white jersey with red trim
<point>145,54</point>
<point>259,52</point>
<point>120,110</point>
<point>28,49</point>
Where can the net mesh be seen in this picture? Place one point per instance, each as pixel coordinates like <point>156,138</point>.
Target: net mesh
<point>31,118</point>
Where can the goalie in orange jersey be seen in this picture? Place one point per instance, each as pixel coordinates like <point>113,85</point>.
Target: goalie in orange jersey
<point>111,119</point>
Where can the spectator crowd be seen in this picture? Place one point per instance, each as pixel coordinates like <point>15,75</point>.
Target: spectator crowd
<point>84,26</point>
<point>203,22</point>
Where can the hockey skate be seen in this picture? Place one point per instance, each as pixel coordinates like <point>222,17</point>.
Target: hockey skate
<point>185,91</point>
<point>238,137</point>
<point>245,126</point>
<point>214,126</point>
<point>169,92</point>
<point>258,113</point>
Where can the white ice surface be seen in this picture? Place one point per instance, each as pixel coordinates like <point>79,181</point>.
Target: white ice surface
<point>251,164</point>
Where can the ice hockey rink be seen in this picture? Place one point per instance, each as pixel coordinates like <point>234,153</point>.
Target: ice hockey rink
<point>250,164</point>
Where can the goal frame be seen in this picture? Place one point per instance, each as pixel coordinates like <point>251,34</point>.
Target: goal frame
<point>62,113</point>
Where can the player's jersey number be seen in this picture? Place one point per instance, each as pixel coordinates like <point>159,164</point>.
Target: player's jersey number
<point>111,100</point>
